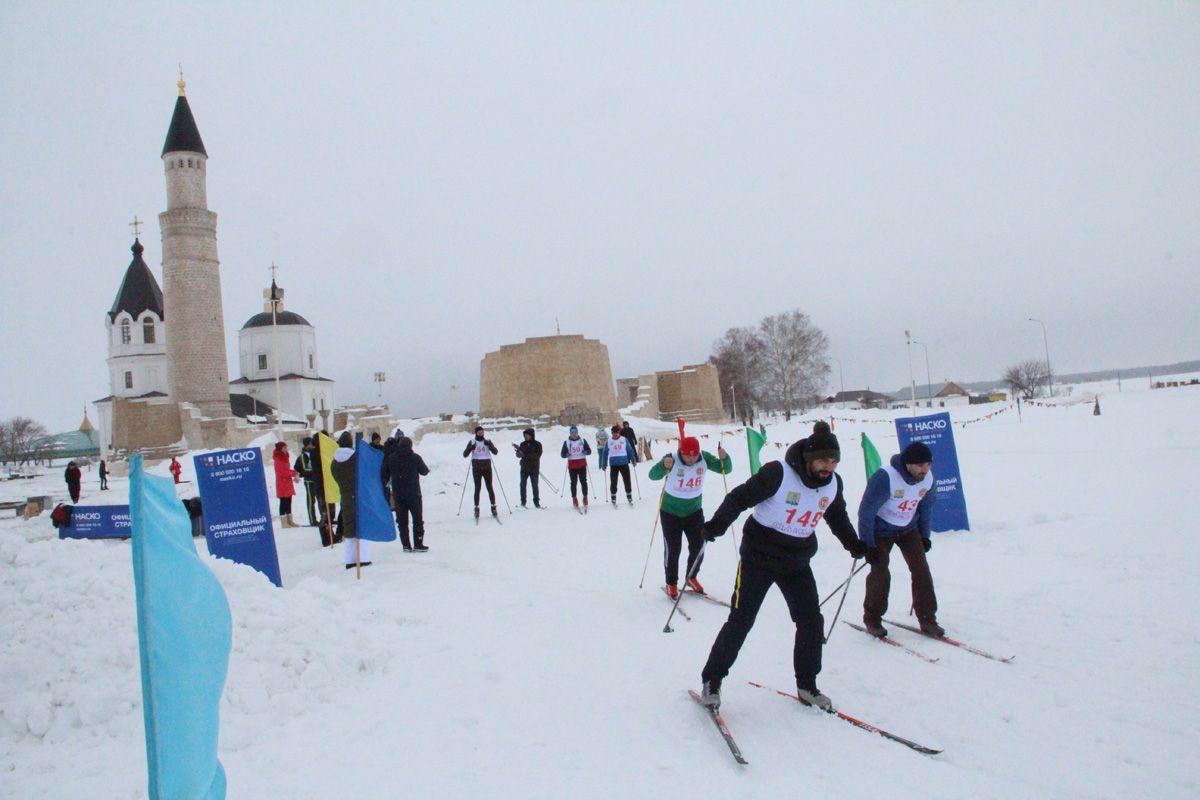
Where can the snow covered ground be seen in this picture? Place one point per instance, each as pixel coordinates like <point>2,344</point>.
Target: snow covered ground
<point>522,660</point>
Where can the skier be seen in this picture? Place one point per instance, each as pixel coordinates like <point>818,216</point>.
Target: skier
<point>530,453</point>
<point>602,449</point>
<point>344,470</point>
<point>789,499</point>
<point>404,468</point>
<point>284,488</point>
<point>682,511</point>
<point>308,470</point>
<point>620,455</point>
<point>895,510</point>
<point>480,451</point>
<point>175,469</point>
<point>576,450</point>
<point>73,476</point>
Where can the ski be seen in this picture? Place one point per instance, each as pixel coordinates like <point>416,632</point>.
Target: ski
<point>893,643</point>
<point>719,721</point>
<point>858,723</point>
<point>678,610</point>
<point>708,597</point>
<point>952,642</point>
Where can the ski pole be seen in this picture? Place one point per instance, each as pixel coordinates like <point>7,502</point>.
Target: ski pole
<point>463,496</point>
<point>548,483</point>
<point>563,482</point>
<point>725,483</point>
<point>843,583</point>
<point>503,493</point>
<point>691,573</point>
<point>636,482</point>
<point>843,600</point>
<point>588,468</point>
<point>653,530</point>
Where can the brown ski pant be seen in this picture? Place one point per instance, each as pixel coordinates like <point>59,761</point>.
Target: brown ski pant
<point>879,579</point>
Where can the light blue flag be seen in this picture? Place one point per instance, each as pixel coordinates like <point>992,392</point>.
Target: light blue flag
<point>184,636</point>
<point>374,521</point>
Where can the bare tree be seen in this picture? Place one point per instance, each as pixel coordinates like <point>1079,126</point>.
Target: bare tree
<point>794,361</point>
<point>738,358</point>
<point>21,440</point>
<point>1025,377</point>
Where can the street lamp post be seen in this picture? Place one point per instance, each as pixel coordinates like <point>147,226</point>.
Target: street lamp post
<point>841,381</point>
<point>1046,345</point>
<point>379,378</point>
<point>928,382</point>
<point>912,384</point>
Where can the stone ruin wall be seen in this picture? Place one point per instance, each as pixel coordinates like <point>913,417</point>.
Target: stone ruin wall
<point>568,378</point>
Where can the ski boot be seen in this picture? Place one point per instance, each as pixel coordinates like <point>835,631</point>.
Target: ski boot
<point>710,693</point>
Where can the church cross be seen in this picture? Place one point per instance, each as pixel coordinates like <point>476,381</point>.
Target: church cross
<point>136,225</point>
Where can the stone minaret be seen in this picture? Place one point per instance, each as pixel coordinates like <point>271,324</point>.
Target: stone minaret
<point>197,369</point>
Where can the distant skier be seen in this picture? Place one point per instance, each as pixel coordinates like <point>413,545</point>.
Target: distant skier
<point>682,511</point>
<point>778,541</point>
<point>602,449</point>
<point>73,476</point>
<point>530,453</point>
<point>480,451</point>
<point>403,469</point>
<point>576,450</point>
<point>620,455</point>
<point>895,510</point>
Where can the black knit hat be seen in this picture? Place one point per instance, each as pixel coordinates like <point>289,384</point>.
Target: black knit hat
<point>916,453</point>
<point>822,444</point>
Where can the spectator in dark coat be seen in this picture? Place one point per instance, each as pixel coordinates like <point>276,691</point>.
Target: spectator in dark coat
<point>345,471</point>
<point>530,453</point>
<point>73,476</point>
<point>403,469</point>
<point>103,475</point>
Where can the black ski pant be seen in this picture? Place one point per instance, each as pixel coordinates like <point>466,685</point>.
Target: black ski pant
<point>529,475</point>
<point>285,506</point>
<point>800,591</point>
<point>674,529</point>
<point>578,475</point>
<point>310,502</point>
<point>481,471</point>
<point>622,470</point>
<point>410,507</point>
<point>879,579</point>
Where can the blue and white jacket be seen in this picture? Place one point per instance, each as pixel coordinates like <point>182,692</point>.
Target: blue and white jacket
<point>871,526</point>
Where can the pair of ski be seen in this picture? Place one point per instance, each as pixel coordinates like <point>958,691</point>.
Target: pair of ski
<point>715,715</point>
<point>494,516</point>
<point>945,639</point>
<point>690,593</point>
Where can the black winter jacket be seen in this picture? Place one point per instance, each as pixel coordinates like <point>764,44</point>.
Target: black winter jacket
<point>404,468</point>
<point>768,547</point>
<point>529,451</point>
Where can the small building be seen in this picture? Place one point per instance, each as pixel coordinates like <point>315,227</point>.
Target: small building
<point>857,399</point>
<point>952,395</point>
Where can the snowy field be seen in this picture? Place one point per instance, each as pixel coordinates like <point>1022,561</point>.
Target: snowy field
<point>522,660</point>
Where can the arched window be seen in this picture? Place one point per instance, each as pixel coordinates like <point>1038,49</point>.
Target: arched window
<point>148,330</point>
<point>126,332</point>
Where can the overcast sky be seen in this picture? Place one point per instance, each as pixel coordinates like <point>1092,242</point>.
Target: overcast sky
<point>439,179</point>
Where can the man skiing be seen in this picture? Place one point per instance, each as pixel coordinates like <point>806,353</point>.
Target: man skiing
<point>895,510</point>
<point>530,453</point>
<point>602,449</point>
<point>480,451</point>
<point>778,541</point>
<point>576,450</point>
<point>620,455</point>
<point>681,511</point>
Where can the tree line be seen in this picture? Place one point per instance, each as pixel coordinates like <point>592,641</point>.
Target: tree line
<point>22,441</point>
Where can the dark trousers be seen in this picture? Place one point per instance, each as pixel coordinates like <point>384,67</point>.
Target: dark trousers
<point>328,519</point>
<point>73,490</point>
<point>879,579</point>
<point>800,591</point>
<point>484,475</point>
<point>310,501</point>
<point>529,474</point>
<point>410,507</point>
<point>623,471</point>
<point>578,475</point>
<point>285,506</point>
<point>674,529</point>
<point>103,482</point>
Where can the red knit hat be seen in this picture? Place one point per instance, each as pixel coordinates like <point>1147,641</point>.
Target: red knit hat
<point>689,446</point>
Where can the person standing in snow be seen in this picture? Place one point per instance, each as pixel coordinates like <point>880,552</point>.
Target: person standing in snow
<point>73,476</point>
<point>620,455</point>
<point>530,453</point>
<point>602,449</point>
<point>285,488</point>
<point>175,469</point>
<point>103,475</point>
<point>308,470</point>
<point>480,451</point>
<point>778,541</point>
<point>404,468</point>
<point>682,511</point>
<point>575,450</point>
<point>895,510</point>
<point>345,471</point>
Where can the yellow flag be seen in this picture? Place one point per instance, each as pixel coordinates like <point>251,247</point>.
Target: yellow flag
<point>325,447</point>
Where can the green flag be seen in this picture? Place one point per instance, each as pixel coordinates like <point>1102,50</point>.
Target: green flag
<point>871,458</point>
<point>755,439</point>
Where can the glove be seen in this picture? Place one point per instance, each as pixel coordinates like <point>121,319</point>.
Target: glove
<point>927,542</point>
<point>872,555</point>
<point>857,549</point>
<point>708,534</point>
